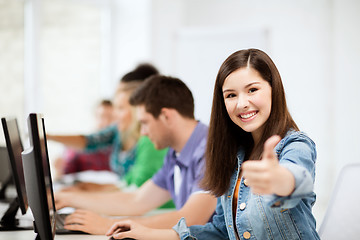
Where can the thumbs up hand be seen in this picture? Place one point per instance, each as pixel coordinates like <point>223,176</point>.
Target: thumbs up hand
<point>267,176</point>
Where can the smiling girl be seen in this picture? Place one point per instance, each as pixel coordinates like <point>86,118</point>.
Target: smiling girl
<point>258,163</point>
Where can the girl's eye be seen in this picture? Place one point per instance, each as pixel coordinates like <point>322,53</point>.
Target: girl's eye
<point>231,95</point>
<point>251,90</point>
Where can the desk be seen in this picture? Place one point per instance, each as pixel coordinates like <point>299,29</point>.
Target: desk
<point>30,235</point>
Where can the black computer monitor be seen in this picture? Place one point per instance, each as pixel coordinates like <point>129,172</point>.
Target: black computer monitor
<point>14,148</point>
<point>6,178</point>
<point>38,179</point>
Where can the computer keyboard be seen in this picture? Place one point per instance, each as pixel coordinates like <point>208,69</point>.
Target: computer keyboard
<point>60,222</point>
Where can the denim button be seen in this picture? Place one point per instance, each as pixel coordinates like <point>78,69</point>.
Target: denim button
<point>245,182</point>
<point>246,235</point>
<point>242,206</point>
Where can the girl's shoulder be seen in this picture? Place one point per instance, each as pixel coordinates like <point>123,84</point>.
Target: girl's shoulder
<point>295,136</point>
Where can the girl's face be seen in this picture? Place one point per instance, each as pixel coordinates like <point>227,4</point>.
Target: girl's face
<point>248,100</point>
<point>122,111</point>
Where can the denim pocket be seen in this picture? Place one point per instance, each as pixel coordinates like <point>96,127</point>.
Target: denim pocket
<point>285,224</point>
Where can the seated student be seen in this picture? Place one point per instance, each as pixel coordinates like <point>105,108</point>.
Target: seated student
<point>264,182</point>
<point>134,159</point>
<point>74,161</point>
<point>140,73</point>
<point>166,112</point>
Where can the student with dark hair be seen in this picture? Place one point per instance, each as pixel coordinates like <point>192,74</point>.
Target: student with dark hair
<point>133,157</point>
<point>141,72</point>
<point>258,163</point>
<point>160,92</point>
<point>165,108</point>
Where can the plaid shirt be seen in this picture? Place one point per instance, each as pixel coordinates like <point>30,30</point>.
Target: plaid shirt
<point>82,161</point>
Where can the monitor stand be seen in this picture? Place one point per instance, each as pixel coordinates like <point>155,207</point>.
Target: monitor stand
<point>4,187</point>
<point>36,232</point>
<point>9,222</point>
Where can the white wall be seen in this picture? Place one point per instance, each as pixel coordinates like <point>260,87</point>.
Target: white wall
<point>11,61</point>
<point>346,98</point>
<point>131,32</point>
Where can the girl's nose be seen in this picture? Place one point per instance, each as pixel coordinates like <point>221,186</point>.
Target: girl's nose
<point>243,102</point>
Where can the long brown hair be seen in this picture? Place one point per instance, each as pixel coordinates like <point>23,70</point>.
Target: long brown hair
<point>225,137</point>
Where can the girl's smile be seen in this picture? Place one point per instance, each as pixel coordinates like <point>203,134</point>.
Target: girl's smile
<point>248,116</point>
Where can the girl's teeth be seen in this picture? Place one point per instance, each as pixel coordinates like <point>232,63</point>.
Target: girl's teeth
<point>248,115</point>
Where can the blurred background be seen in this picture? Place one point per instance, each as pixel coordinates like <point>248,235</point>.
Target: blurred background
<point>59,57</point>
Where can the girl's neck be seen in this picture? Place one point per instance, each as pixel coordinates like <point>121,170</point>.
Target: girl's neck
<point>257,134</point>
<point>256,137</point>
<point>253,148</point>
<point>128,141</point>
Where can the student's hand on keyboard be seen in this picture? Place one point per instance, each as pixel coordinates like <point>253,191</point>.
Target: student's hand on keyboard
<point>89,222</point>
<point>63,199</point>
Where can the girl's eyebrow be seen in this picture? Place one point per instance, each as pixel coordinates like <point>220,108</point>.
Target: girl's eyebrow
<point>246,86</point>
<point>228,90</point>
<point>250,84</point>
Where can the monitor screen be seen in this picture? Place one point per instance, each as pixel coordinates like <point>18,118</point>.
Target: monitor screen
<point>6,178</point>
<point>5,171</point>
<point>38,179</point>
<point>14,147</point>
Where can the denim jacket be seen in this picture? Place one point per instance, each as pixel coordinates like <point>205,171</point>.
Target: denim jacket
<point>266,216</point>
